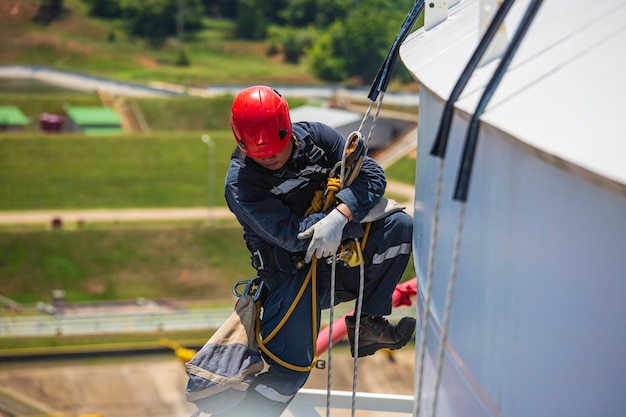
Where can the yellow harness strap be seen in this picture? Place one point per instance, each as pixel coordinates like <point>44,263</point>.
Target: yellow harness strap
<point>311,276</point>
<point>351,253</point>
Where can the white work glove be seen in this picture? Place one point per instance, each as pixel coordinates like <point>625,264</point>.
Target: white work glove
<point>326,235</point>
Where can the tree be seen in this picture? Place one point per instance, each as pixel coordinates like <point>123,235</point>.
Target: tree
<point>321,13</point>
<point>155,20</point>
<point>182,59</point>
<point>108,9</point>
<point>293,42</point>
<point>49,10</point>
<point>299,13</point>
<point>329,11</point>
<point>220,8</point>
<point>251,22</point>
<point>359,46</point>
<point>327,56</point>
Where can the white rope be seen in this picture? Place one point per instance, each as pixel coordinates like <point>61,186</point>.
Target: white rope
<point>367,113</point>
<point>378,102</point>
<point>448,305</point>
<point>357,332</point>
<point>330,331</point>
<point>420,353</point>
<point>344,155</point>
<point>362,276</point>
<point>357,327</point>
<point>371,132</point>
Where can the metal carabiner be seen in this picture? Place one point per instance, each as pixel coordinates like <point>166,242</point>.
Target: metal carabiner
<point>252,287</point>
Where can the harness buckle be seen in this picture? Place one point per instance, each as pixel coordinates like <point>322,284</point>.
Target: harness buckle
<point>252,287</point>
<point>257,260</point>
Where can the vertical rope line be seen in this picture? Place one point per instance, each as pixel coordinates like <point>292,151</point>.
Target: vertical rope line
<point>429,285</point>
<point>344,155</point>
<point>330,331</point>
<point>357,332</point>
<point>361,267</point>
<point>448,305</point>
<point>367,113</point>
<point>371,132</point>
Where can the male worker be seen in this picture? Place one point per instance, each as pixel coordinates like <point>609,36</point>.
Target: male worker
<point>273,175</point>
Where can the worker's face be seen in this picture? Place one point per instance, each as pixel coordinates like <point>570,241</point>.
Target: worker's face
<point>276,162</point>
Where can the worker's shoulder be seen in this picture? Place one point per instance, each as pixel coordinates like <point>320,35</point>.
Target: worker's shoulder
<point>314,128</point>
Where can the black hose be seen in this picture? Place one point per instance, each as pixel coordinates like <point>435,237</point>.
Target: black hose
<point>441,139</point>
<point>469,149</point>
<point>381,81</point>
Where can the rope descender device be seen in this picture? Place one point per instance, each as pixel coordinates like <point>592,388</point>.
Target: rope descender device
<point>353,154</point>
<point>349,253</point>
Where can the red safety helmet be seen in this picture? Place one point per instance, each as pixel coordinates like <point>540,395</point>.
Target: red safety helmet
<point>260,121</point>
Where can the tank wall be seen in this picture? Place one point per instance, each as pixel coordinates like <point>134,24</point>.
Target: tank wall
<point>538,324</point>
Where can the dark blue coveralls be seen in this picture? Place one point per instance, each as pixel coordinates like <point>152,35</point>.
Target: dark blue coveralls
<point>270,205</point>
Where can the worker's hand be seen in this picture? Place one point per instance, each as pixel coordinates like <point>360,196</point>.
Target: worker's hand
<point>325,235</point>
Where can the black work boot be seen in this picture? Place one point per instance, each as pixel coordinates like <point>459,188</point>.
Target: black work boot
<point>377,333</point>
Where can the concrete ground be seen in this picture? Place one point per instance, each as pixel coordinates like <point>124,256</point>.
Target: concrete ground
<point>155,386</point>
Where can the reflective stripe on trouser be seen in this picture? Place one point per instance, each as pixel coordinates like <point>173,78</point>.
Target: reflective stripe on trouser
<point>386,254</point>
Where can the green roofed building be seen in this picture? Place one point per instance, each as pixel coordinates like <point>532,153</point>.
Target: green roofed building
<point>12,119</point>
<point>93,120</point>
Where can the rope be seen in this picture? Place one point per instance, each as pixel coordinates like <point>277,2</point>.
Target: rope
<point>316,203</point>
<point>360,247</point>
<point>323,199</point>
<point>378,102</point>
<point>357,332</point>
<point>333,186</point>
<point>364,240</point>
<point>312,277</point>
<point>448,306</point>
<point>374,119</point>
<point>420,353</point>
<point>330,333</point>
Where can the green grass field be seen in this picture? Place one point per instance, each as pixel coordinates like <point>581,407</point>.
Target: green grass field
<point>158,170</point>
<point>80,43</point>
<point>164,260</point>
<point>74,171</point>
<point>403,170</point>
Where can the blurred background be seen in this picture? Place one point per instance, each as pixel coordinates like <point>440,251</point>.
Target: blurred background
<point>117,252</point>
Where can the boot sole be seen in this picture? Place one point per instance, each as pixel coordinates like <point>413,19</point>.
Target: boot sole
<point>371,349</point>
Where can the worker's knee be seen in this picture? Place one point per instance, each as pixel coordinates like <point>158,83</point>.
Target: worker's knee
<point>299,380</point>
<point>398,228</point>
<point>402,221</point>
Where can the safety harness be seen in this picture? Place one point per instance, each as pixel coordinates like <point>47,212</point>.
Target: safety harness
<point>350,253</point>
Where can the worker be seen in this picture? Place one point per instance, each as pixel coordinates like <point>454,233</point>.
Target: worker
<point>274,173</point>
